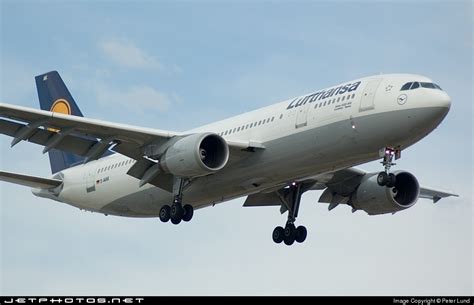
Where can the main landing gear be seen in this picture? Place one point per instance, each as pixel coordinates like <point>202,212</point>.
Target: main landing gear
<point>291,233</point>
<point>177,211</point>
<point>386,178</point>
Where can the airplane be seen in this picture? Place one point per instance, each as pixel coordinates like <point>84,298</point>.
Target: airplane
<point>272,155</point>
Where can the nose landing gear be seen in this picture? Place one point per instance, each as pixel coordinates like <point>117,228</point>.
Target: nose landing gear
<point>386,178</point>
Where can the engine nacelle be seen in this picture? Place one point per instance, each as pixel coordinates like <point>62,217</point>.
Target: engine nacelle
<point>195,155</point>
<point>375,199</point>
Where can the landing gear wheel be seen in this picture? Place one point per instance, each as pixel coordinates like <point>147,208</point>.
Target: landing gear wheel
<point>278,235</point>
<point>289,234</point>
<point>176,211</point>
<point>391,180</point>
<point>382,179</point>
<point>301,234</point>
<point>175,221</point>
<point>188,212</point>
<point>165,213</point>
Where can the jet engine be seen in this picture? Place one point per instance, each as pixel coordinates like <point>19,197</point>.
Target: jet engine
<point>195,155</point>
<point>375,199</point>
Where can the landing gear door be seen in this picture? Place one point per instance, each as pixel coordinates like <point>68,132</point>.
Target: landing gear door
<point>367,101</point>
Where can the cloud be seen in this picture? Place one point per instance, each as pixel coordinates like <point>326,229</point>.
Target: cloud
<point>124,53</point>
<point>137,99</point>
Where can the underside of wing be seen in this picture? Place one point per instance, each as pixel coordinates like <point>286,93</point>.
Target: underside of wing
<point>358,189</point>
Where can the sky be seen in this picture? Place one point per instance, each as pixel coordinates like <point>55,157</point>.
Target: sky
<point>177,65</point>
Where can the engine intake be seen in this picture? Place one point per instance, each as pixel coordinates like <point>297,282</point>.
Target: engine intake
<point>375,199</point>
<point>195,155</point>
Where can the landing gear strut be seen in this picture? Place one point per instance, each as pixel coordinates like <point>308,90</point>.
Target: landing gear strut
<point>177,211</point>
<point>291,233</point>
<point>386,178</point>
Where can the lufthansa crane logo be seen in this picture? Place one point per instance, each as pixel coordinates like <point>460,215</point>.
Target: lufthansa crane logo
<point>402,99</point>
<point>61,106</point>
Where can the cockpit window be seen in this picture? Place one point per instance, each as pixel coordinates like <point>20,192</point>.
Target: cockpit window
<point>414,85</point>
<point>428,85</point>
<point>406,86</point>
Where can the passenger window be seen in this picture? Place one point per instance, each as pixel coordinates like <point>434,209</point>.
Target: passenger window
<point>238,129</point>
<point>343,98</point>
<point>338,99</point>
<point>281,116</point>
<point>273,118</point>
<point>353,95</point>
<point>415,85</point>
<point>406,86</point>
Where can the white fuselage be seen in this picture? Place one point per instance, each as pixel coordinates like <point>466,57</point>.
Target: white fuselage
<point>317,133</point>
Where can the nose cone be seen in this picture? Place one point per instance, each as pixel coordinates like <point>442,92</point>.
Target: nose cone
<point>435,109</point>
<point>442,99</point>
<point>441,103</point>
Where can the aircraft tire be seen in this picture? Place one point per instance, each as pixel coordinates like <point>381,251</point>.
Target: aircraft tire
<point>382,178</point>
<point>289,234</point>
<point>301,234</point>
<point>175,221</point>
<point>165,213</point>
<point>391,180</point>
<point>277,235</point>
<point>176,211</point>
<point>188,212</point>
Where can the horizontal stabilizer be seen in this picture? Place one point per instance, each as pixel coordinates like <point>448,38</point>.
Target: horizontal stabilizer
<point>31,181</point>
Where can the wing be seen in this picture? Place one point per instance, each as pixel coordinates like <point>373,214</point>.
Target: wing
<point>31,181</point>
<point>64,132</point>
<point>338,187</point>
<point>91,138</point>
<point>343,183</point>
<point>434,195</point>
<point>74,134</point>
